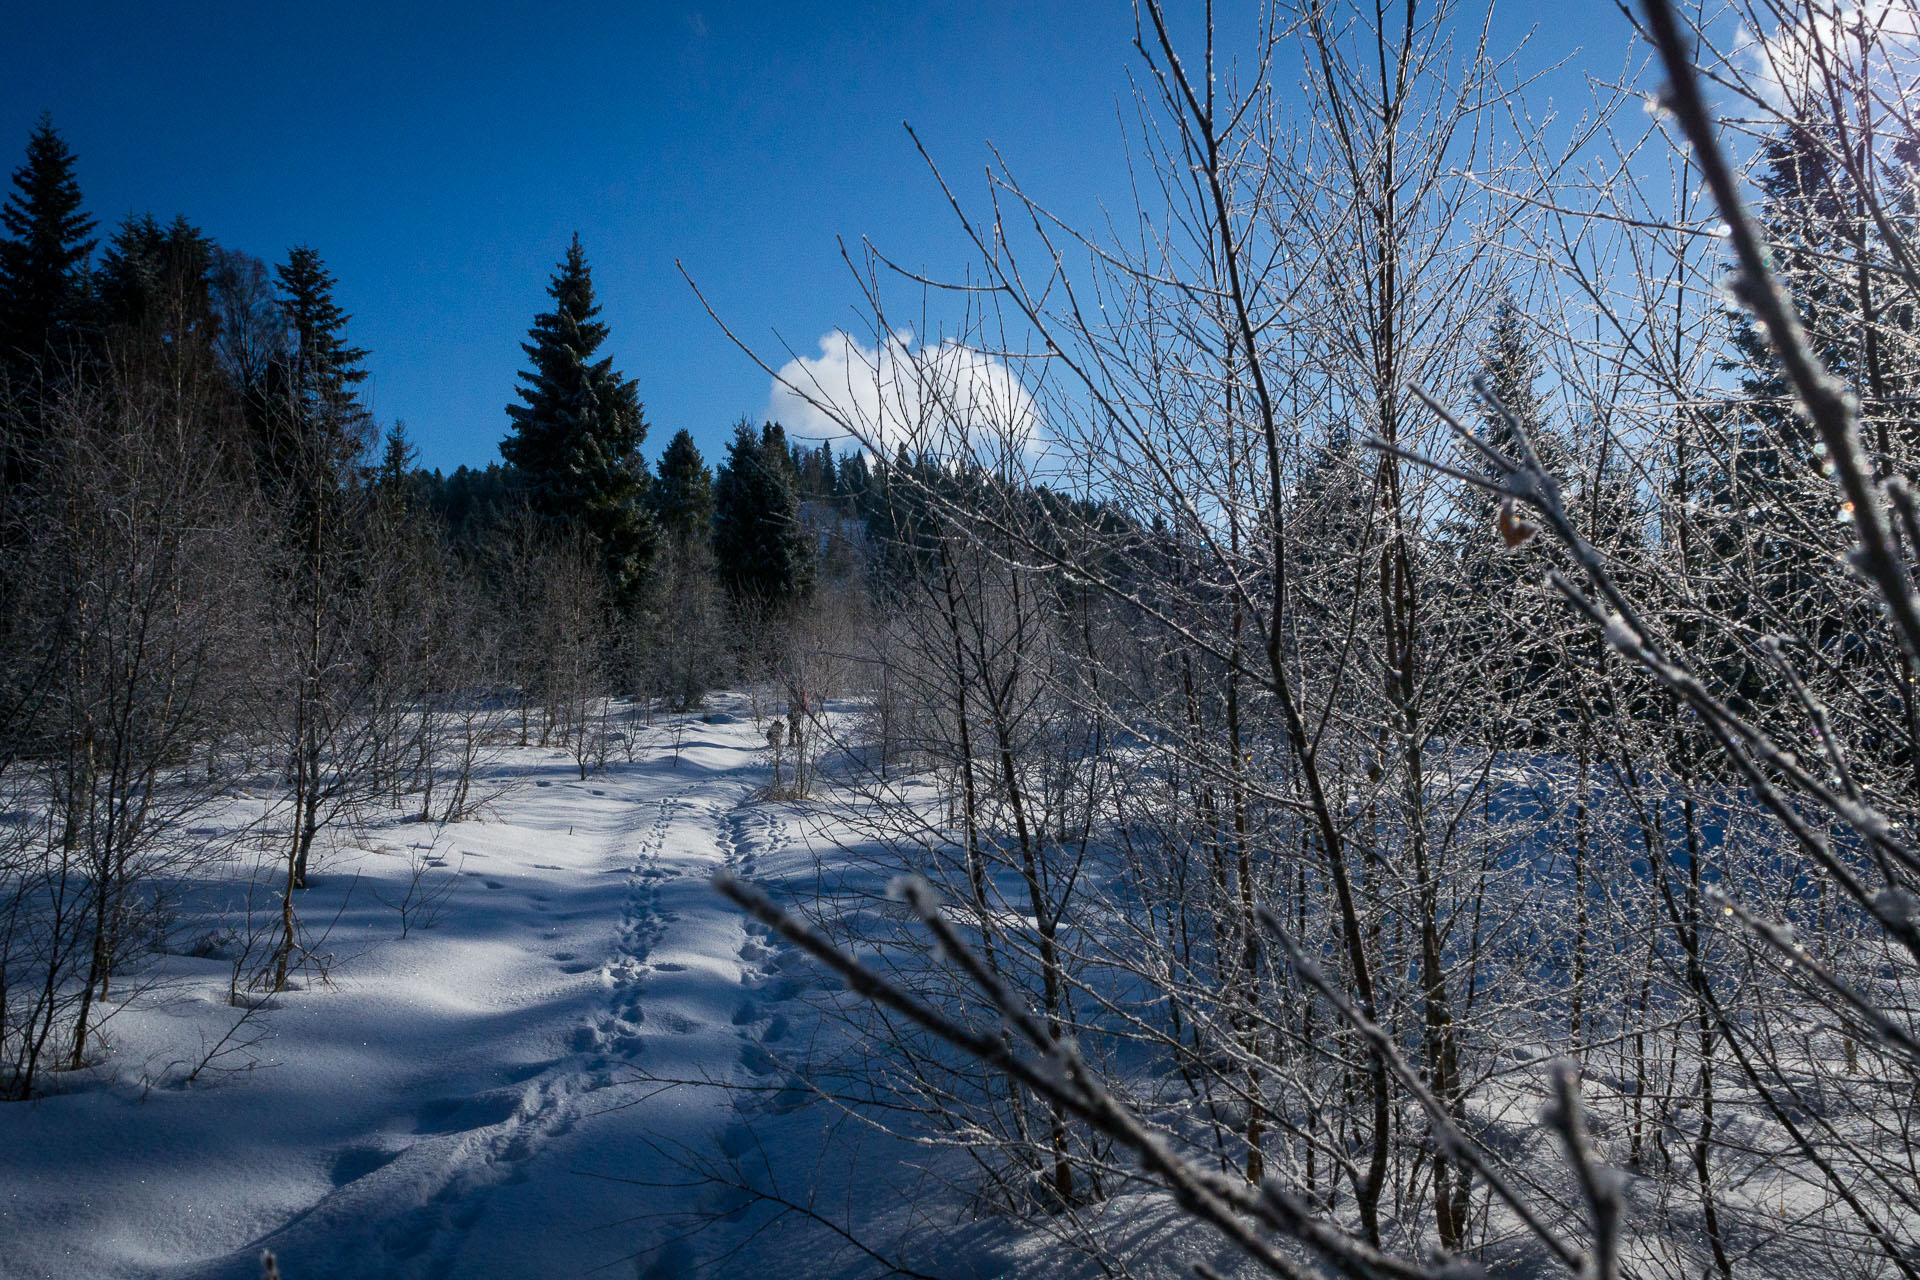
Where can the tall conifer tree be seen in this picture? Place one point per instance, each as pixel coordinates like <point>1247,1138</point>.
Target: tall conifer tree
<point>1828,252</point>
<point>682,496</point>
<point>325,368</point>
<point>1511,368</point>
<point>43,256</point>
<point>764,558</point>
<point>331,426</point>
<point>1508,608</point>
<point>43,288</point>
<point>398,461</point>
<point>153,292</point>
<point>576,437</point>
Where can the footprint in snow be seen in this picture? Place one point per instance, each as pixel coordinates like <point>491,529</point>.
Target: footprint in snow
<point>736,1141</point>
<point>526,1071</point>
<point>786,988</point>
<point>793,1095</point>
<point>452,1115</point>
<point>355,1163</point>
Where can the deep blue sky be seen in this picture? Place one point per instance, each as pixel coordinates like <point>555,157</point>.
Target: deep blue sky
<point>439,155</point>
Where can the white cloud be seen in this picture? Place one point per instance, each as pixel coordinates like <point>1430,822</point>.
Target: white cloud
<point>945,399</point>
<point>1797,59</point>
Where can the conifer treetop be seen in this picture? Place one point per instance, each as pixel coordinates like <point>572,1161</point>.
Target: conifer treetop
<point>580,422</point>
<point>316,320</point>
<point>765,558</point>
<point>1511,366</point>
<point>683,493</point>
<point>44,254</point>
<point>326,368</point>
<point>575,437</point>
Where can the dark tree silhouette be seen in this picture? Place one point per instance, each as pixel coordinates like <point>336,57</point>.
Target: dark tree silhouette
<point>43,257</point>
<point>764,558</point>
<point>576,437</point>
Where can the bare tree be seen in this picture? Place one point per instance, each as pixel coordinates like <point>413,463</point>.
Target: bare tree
<point>1386,811</point>
<point>136,593</point>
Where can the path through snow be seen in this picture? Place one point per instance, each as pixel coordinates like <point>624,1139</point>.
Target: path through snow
<point>480,1099</point>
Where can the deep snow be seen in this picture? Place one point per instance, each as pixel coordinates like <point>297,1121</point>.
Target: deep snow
<point>482,1098</point>
<point>587,1064</point>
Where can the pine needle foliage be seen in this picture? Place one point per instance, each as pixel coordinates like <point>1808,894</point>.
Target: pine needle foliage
<point>576,435</point>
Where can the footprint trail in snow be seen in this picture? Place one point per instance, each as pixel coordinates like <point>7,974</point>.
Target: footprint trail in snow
<point>590,1022</point>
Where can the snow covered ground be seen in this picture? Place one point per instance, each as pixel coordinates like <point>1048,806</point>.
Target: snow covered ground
<point>489,1096</point>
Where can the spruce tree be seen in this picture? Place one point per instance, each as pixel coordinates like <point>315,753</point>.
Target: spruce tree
<point>326,427</point>
<point>1799,217</point>
<point>1511,369</point>
<point>1332,524</point>
<point>324,369</point>
<point>43,301</point>
<point>779,456</point>
<point>852,485</point>
<point>398,461</point>
<point>829,474</point>
<point>686,648</point>
<point>154,319</point>
<point>765,560</point>
<point>1766,512</point>
<point>682,497</point>
<point>1506,608</point>
<point>312,438</point>
<point>155,278</point>
<point>1827,250</point>
<point>43,257</point>
<point>576,437</point>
